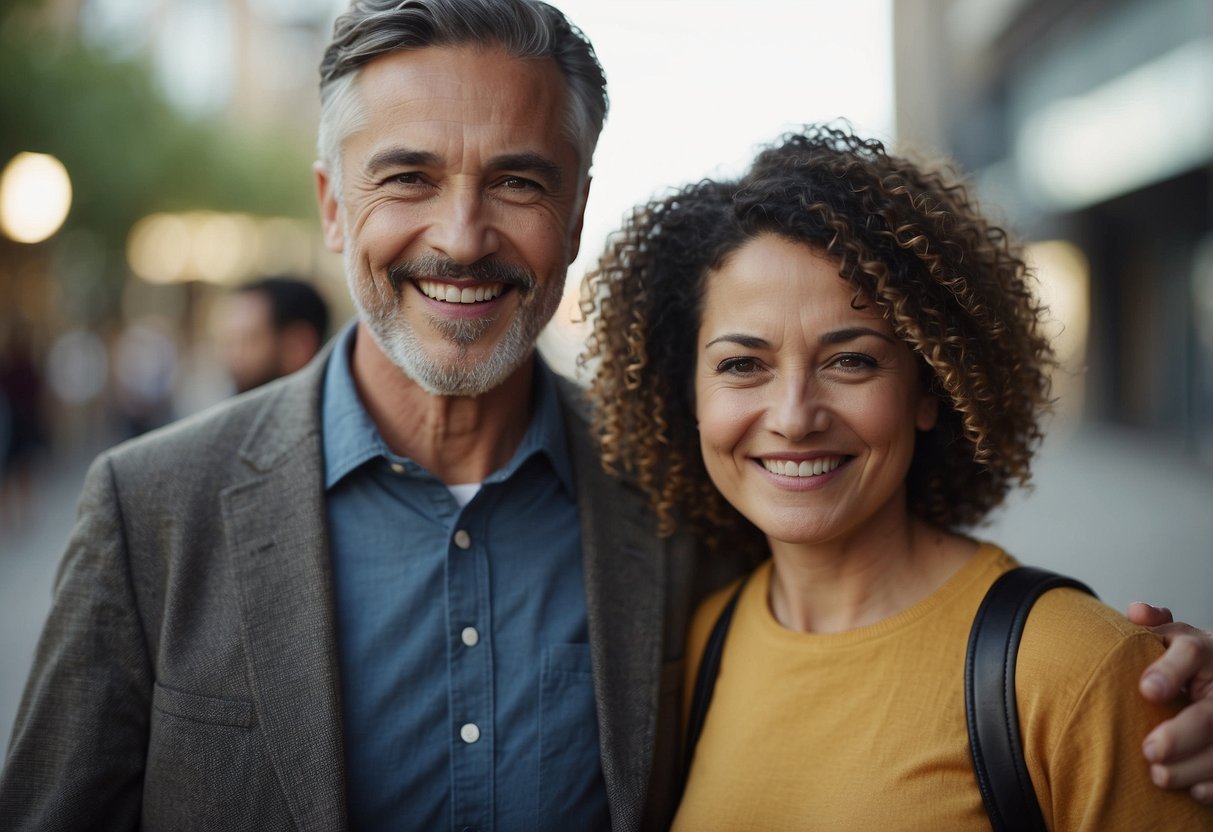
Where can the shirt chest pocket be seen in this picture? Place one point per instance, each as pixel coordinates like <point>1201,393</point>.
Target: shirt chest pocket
<point>571,792</point>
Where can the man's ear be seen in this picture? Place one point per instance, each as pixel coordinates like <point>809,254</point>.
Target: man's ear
<point>579,222</point>
<point>330,209</point>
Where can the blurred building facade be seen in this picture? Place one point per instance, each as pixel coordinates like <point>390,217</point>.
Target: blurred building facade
<point>249,61</point>
<point>1089,123</point>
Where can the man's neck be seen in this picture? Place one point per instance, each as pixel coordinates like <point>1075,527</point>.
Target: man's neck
<point>459,439</point>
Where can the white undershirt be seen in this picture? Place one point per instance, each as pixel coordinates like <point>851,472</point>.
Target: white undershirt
<point>463,494</point>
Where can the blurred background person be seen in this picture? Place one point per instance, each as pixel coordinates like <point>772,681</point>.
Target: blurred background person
<point>22,425</point>
<point>269,328</point>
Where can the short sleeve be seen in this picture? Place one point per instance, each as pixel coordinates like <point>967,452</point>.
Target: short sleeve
<point>1083,720</point>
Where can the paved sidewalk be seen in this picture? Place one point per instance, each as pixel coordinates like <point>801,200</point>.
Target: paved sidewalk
<point>1131,518</point>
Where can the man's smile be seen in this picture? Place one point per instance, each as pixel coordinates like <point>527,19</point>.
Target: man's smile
<point>452,293</point>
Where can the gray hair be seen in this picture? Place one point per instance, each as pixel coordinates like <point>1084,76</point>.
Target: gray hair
<point>523,28</point>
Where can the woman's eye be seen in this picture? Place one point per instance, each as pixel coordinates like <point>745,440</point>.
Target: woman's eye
<point>738,366</point>
<point>854,361</point>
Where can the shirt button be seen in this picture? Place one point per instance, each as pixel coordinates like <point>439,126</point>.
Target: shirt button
<point>470,637</point>
<point>397,468</point>
<point>469,732</point>
<point>463,540</point>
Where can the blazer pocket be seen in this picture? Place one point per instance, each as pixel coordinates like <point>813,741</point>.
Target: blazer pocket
<point>207,769</point>
<point>235,713</point>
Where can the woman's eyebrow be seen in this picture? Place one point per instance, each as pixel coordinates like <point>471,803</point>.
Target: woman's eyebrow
<point>841,336</point>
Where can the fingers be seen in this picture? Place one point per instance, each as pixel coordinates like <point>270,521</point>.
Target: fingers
<point>1185,737</point>
<point>1172,777</point>
<point>1148,615</point>
<point>1194,774</point>
<point>1180,752</point>
<point>1188,662</point>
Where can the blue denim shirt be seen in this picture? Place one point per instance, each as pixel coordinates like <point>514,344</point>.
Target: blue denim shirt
<point>466,689</point>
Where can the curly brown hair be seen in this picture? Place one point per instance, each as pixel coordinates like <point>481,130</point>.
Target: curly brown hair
<point>909,239</point>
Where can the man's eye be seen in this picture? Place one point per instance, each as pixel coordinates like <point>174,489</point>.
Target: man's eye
<point>518,183</point>
<point>411,178</point>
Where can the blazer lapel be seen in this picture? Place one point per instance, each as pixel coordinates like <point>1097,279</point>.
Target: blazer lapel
<point>275,528</point>
<point>625,574</point>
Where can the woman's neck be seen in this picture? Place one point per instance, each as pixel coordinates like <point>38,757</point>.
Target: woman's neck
<point>829,588</point>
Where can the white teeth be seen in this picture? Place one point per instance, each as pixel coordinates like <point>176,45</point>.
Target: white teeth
<point>807,468</point>
<point>453,294</point>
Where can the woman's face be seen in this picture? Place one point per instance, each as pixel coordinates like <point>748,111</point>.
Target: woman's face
<point>807,406</point>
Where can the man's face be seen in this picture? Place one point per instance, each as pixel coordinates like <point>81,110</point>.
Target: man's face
<point>459,213</point>
<point>248,343</point>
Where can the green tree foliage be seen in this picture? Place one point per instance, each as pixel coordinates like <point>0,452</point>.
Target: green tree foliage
<point>127,150</point>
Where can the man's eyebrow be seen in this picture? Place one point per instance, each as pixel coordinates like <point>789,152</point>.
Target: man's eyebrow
<point>532,163</point>
<point>841,336</point>
<point>401,157</point>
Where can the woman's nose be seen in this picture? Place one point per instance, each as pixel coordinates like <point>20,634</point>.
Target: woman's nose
<point>799,409</point>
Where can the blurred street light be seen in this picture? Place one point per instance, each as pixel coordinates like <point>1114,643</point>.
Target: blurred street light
<point>220,248</point>
<point>35,196</point>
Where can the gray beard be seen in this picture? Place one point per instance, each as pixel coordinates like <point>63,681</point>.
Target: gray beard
<point>460,377</point>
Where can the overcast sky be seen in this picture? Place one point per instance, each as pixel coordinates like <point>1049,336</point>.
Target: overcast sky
<point>696,86</point>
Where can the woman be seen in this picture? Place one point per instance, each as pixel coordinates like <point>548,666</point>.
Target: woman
<point>840,361</point>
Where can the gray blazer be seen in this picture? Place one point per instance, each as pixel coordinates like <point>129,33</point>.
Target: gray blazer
<point>187,675</point>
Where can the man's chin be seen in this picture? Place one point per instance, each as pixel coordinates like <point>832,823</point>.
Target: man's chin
<point>444,366</point>
<point>457,372</point>
<point>462,335</point>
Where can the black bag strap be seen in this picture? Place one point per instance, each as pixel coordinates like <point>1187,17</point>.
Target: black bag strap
<point>705,679</point>
<point>990,706</point>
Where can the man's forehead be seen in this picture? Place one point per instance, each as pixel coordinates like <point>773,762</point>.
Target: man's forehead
<point>461,73</point>
<point>444,100</point>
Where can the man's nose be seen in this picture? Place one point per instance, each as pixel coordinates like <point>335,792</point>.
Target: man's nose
<point>462,229</point>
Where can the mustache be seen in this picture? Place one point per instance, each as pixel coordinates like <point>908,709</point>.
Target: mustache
<point>487,270</point>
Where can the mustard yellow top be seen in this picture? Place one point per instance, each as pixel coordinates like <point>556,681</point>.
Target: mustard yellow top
<point>865,729</point>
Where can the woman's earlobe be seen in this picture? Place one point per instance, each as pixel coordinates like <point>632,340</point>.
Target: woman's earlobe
<point>928,413</point>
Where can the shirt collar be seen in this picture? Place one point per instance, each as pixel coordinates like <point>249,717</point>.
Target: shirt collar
<point>546,434</point>
<point>351,438</point>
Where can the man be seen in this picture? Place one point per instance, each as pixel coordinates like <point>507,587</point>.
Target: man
<point>394,590</point>
<point>269,328</point>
